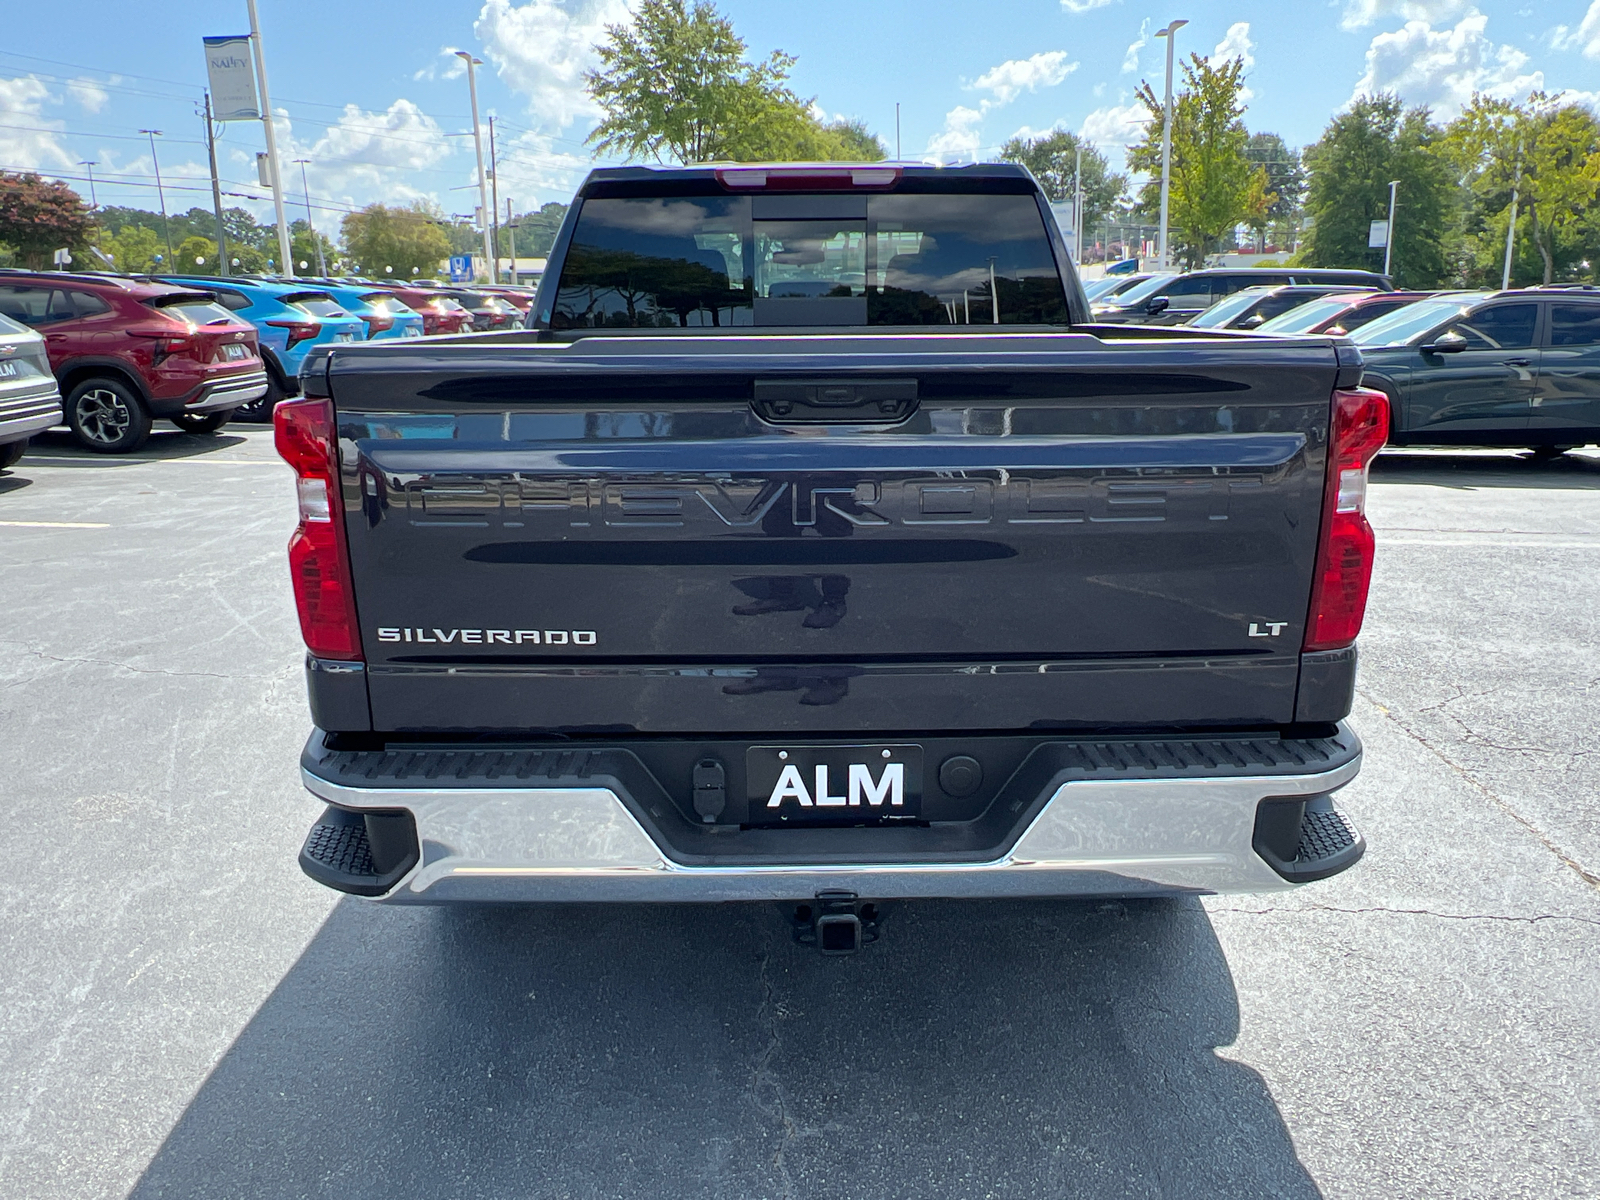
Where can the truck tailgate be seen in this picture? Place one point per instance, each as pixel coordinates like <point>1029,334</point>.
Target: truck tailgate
<point>832,533</point>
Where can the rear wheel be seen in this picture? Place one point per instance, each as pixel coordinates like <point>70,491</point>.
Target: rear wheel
<point>202,422</point>
<point>11,452</point>
<point>106,417</point>
<point>260,411</point>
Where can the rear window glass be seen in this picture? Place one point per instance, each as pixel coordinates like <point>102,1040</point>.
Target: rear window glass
<point>318,304</point>
<point>1575,324</point>
<point>197,310</point>
<point>1406,323</point>
<point>913,259</point>
<point>1301,319</point>
<point>1236,305</point>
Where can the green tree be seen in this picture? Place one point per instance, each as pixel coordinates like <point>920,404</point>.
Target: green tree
<point>1286,180</point>
<point>1549,153</point>
<point>304,248</point>
<point>856,142</point>
<point>1053,159</point>
<point>536,231</point>
<point>397,238</point>
<point>193,248</point>
<point>40,216</point>
<point>674,84</point>
<point>1211,174</point>
<point>134,248</point>
<point>1375,141</point>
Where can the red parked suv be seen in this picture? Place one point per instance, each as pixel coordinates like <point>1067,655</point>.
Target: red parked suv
<point>125,352</point>
<point>440,314</point>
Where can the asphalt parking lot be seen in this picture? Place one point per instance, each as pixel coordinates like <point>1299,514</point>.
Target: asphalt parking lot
<point>185,1015</point>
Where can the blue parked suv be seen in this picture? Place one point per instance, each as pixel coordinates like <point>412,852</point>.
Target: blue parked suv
<point>384,314</point>
<point>290,317</point>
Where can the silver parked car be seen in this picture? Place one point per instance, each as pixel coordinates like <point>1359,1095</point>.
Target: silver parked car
<point>30,402</point>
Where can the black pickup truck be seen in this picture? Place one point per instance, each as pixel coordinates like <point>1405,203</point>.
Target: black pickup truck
<point>812,543</point>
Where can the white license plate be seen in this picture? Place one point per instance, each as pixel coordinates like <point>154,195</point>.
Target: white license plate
<point>344,337</point>
<point>9,370</point>
<point>234,351</point>
<point>411,331</point>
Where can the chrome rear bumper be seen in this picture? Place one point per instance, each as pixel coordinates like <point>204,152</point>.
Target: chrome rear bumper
<point>229,392</point>
<point>1092,837</point>
<point>29,409</point>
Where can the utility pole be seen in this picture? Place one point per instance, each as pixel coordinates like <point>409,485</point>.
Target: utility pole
<point>166,229</point>
<point>1077,204</point>
<point>477,141</point>
<point>1170,33</point>
<point>1511,227</point>
<point>91,164</point>
<point>511,232</point>
<point>1388,247</point>
<point>494,183</point>
<point>311,227</point>
<point>285,255</point>
<point>216,191</point>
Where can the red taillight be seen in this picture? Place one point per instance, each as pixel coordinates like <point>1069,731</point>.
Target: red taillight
<point>319,564</point>
<point>376,325</point>
<point>299,331</point>
<point>430,322</point>
<point>1344,554</point>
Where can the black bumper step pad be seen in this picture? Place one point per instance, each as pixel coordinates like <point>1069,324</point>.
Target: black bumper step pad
<point>1323,840</point>
<point>364,854</point>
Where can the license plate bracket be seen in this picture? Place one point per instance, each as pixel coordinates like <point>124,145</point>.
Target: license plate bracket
<point>799,784</point>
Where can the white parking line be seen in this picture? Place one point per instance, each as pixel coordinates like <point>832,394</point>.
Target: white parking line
<point>55,525</point>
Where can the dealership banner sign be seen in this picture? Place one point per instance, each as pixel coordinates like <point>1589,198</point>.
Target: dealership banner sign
<point>233,79</point>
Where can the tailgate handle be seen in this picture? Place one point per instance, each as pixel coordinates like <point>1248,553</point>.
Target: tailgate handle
<point>785,401</point>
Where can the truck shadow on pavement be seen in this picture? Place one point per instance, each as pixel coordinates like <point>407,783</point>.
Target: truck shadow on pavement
<point>61,449</point>
<point>1021,1049</point>
<point>1480,469</point>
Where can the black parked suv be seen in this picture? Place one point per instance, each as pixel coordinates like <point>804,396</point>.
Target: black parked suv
<point>1516,368</point>
<point>1174,300</point>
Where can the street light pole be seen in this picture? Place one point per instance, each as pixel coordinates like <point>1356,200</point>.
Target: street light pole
<point>1077,204</point>
<point>285,256</point>
<point>322,263</point>
<point>91,163</point>
<point>166,229</point>
<point>1388,241</point>
<point>1170,33</point>
<point>477,141</point>
<point>494,207</point>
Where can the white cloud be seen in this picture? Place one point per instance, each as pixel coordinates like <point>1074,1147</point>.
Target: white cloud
<point>1118,125</point>
<point>1130,60</point>
<point>27,137</point>
<point>1587,37</point>
<point>962,134</point>
<point>366,155</point>
<point>1236,44</point>
<point>1443,68</point>
<point>91,97</point>
<point>542,49</point>
<point>1360,13</point>
<point>1015,76</point>
<point>1083,6</point>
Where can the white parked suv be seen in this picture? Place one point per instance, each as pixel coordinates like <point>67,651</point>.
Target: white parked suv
<point>30,402</point>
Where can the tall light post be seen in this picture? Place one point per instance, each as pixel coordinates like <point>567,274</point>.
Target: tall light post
<point>311,227</point>
<point>477,141</point>
<point>166,229</point>
<point>285,256</point>
<point>91,164</point>
<point>1077,203</point>
<point>1511,228</point>
<point>1170,33</point>
<point>1388,241</point>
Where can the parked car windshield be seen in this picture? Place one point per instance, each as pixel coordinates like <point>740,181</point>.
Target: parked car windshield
<point>1307,316</point>
<point>810,259</point>
<point>1140,292</point>
<point>1409,322</point>
<point>1224,311</point>
<point>385,302</point>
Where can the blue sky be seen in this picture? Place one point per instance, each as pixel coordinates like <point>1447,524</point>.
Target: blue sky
<point>372,97</point>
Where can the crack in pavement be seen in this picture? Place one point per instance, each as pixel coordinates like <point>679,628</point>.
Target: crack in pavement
<point>762,1077</point>
<point>1534,919</point>
<point>1497,800</point>
<point>106,662</point>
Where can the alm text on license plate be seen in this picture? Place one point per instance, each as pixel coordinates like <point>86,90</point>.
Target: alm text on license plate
<point>809,785</point>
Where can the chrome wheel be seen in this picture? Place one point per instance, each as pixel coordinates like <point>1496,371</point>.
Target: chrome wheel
<point>103,416</point>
